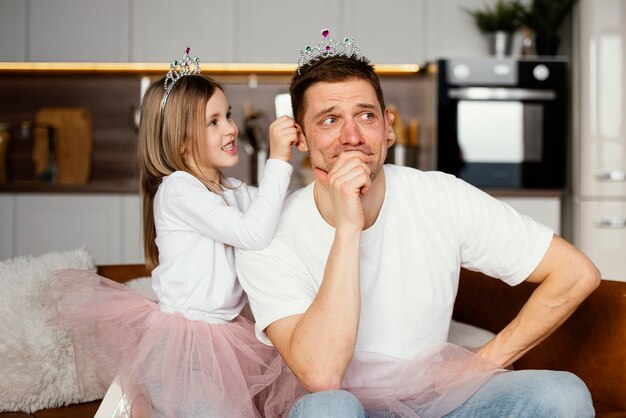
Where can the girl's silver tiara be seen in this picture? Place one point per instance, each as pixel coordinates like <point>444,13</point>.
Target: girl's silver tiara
<point>326,48</point>
<point>179,69</point>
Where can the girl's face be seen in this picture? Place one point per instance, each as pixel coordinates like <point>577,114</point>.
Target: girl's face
<point>221,133</point>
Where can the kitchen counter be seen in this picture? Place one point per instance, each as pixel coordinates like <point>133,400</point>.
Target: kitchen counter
<point>113,186</point>
<point>132,186</point>
<point>558,193</point>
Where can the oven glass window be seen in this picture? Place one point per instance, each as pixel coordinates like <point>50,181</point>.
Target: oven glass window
<point>499,131</point>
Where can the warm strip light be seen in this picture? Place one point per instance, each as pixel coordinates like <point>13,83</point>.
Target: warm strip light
<point>158,68</point>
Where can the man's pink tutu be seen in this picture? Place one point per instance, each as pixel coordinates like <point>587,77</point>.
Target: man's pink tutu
<point>434,383</point>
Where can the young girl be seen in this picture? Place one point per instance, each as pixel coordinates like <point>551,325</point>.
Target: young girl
<point>190,354</point>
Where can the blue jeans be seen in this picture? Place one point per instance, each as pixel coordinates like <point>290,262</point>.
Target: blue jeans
<point>519,394</point>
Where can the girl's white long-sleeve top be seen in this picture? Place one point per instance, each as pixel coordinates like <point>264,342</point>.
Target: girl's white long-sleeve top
<point>196,231</point>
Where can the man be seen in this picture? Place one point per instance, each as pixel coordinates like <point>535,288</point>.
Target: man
<point>356,290</point>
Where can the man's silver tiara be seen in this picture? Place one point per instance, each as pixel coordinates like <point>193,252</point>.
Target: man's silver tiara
<point>326,48</point>
<point>179,69</point>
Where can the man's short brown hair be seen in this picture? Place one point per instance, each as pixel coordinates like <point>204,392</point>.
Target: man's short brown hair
<point>331,70</point>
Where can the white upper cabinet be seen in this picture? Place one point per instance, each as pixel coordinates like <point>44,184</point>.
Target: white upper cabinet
<point>388,32</point>
<point>160,30</point>
<point>276,31</point>
<point>78,30</point>
<point>602,153</point>
<point>244,31</point>
<point>13,30</point>
<point>452,32</point>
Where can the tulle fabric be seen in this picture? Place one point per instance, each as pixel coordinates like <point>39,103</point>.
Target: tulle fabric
<point>167,365</point>
<point>434,383</point>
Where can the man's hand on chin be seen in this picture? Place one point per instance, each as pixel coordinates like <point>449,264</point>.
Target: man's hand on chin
<point>343,186</point>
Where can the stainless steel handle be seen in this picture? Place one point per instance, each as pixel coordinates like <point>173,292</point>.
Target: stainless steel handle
<point>612,175</point>
<point>611,223</point>
<point>500,93</point>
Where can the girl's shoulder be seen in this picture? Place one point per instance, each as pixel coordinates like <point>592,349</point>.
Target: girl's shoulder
<point>180,177</point>
<point>181,182</point>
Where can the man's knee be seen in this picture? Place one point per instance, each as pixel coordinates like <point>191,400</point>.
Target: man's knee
<point>529,394</point>
<point>332,403</point>
<point>548,393</point>
<point>563,394</point>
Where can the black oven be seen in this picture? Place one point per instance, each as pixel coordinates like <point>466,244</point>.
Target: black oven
<point>501,123</point>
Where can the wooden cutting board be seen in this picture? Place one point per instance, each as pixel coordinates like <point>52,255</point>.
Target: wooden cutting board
<point>73,128</point>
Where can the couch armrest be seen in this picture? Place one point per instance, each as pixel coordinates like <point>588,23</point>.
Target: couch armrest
<point>591,343</point>
<point>123,272</point>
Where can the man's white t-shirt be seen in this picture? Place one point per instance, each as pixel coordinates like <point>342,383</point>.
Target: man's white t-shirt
<point>429,226</point>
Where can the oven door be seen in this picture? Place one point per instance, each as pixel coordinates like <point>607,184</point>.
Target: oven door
<point>500,137</point>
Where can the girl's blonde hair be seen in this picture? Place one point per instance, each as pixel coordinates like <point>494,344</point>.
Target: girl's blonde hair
<point>163,135</point>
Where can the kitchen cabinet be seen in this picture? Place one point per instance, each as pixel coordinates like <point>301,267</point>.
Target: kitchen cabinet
<point>276,31</point>
<point>245,31</point>
<point>78,30</point>
<point>602,145</point>
<point>108,224</point>
<point>543,209</point>
<point>601,226</point>
<point>13,30</point>
<point>6,226</point>
<point>390,33</point>
<point>452,32</point>
<point>599,134</point>
<point>161,29</point>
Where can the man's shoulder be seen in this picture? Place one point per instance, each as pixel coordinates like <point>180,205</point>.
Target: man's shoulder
<point>297,202</point>
<point>297,216</point>
<point>413,177</point>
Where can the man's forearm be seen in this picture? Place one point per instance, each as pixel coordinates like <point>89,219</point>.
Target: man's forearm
<point>322,342</point>
<point>549,306</point>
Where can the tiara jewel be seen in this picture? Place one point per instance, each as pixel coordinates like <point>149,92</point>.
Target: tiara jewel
<point>326,48</point>
<point>179,69</point>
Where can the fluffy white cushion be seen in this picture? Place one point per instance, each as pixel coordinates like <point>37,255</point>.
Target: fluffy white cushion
<point>36,360</point>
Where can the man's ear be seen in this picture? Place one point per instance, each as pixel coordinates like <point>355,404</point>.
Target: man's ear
<point>301,145</point>
<point>391,134</point>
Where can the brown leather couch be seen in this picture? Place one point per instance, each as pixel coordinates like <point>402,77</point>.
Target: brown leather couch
<point>591,343</point>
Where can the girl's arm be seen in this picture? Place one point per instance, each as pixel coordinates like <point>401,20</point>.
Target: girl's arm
<point>194,207</point>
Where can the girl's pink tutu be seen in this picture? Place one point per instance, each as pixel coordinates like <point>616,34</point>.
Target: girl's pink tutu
<point>170,366</point>
<point>167,365</point>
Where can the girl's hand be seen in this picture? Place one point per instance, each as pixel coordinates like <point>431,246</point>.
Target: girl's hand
<point>283,134</point>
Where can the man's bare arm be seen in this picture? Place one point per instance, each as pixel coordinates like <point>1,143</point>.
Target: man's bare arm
<point>318,345</point>
<point>566,277</point>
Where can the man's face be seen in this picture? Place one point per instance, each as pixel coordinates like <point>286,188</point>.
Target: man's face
<point>345,116</point>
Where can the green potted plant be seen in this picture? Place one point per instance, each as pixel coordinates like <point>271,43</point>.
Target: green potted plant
<point>499,22</point>
<point>544,18</point>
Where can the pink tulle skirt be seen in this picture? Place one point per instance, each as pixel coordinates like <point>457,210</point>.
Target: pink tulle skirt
<point>169,366</point>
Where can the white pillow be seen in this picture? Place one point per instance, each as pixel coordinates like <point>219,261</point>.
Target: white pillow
<point>468,336</point>
<point>37,360</point>
<point>142,285</point>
